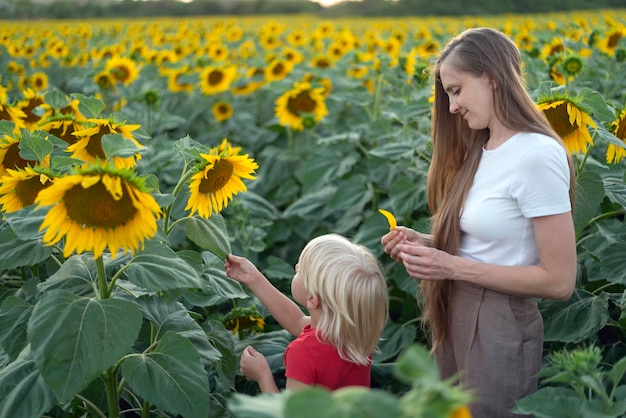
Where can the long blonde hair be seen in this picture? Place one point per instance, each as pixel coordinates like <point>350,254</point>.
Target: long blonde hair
<point>353,294</point>
<point>457,149</point>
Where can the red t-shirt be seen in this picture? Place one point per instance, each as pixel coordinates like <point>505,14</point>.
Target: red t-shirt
<point>316,363</point>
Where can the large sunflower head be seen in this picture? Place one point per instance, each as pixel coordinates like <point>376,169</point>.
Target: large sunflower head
<point>32,100</point>
<point>569,121</point>
<point>295,105</point>
<point>614,153</point>
<point>219,179</point>
<point>89,148</point>
<point>9,112</point>
<point>215,80</point>
<point>122,69</point>
<point>96,209</point>
<point>11,156</point>
<point>19,188</point>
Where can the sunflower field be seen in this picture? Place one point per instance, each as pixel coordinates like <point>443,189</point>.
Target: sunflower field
<point>136,154</point>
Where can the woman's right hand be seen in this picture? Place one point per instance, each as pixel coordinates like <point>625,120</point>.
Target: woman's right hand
<point>397,236</point>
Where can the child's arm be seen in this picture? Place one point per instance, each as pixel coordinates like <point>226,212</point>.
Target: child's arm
<point>283,309</point>
<point>254,366</point>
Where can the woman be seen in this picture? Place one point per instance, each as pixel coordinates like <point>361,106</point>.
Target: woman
<point>500,189</point>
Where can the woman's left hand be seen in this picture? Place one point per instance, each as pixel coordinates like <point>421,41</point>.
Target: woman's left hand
<point>425,263</point>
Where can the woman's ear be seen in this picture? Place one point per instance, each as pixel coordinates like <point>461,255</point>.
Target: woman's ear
<point>313,301</point>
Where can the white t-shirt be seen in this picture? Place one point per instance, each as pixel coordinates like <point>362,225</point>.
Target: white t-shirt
<point>525,177</point>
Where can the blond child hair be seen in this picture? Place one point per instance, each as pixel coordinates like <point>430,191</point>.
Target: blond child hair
<point>353,293</point>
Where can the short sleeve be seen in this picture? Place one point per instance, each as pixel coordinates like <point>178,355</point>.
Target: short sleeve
<point>543,180</point>
<point>299,364</point>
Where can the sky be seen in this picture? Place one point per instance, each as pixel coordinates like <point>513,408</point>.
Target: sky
<point>327,2</point>
<point>324,3</point>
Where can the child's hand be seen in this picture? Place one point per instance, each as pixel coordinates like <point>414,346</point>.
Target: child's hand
<point>254,365</point>
<point>241,269</point>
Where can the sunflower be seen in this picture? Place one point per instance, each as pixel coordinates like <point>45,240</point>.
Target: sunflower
<point>32,100</point>
<point>215,80</point>
<point>97,209</point>
<point>573,64</point>
<point>19,188</point>
<point>176,82</point>
<point>88,147</point>
<point>104,80</point>
<point>552,49</point>
<point>218,179</point>
<point>569,122</point>
<point>297,38</point>
<point>38,81</point>
<point>269,41</point>
<point>321,61</point>
<point>222,111</point>
<point>614,153</point>
<point>62,122</point>
<point>609,43</point>
<point>292,55</point>
<point>244,321</point>
<point>10,157</point>
<point>234,34</point>
<point>8,112</point>
<point>122,69</point>
<point>277,70</point>
<point>357,71</point>
<point>295,104</point>
<point>218,52</point>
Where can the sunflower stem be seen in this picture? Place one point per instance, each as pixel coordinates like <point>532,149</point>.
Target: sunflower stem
<point>111,391</point>
<point>102,279</point>
<point>290,141</point>
<point>377,96</point>
<point>116,276</point>
<point>185,175</point>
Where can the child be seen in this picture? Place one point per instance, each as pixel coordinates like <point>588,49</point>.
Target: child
<point>344,290</point>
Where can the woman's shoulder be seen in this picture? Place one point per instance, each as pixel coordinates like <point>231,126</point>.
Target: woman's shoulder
<point>534,143</point>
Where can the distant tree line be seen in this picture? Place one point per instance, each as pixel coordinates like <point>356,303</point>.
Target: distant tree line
<point>82,9</point>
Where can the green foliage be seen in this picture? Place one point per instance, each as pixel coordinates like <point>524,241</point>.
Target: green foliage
<point>158,345</point>
<point>580,387</point>
<point>428,396</point>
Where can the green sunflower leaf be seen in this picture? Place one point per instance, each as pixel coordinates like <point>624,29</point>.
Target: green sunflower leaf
<point>171,376</point>
<point>589,196</point>
<point>573,321</point>
<point>35,146</point>
<point>91,107</point>
<point>23,392</point>
<point>115,145</point>
<point>172,316</point>
<point>14,314</point>
<point>56,98</point>
<point>15,252</point>
<point>209,234</point>
<point>158,268</point>
<point>74,339</point>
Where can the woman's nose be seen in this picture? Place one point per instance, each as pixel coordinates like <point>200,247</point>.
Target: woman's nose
<point>454,107</point>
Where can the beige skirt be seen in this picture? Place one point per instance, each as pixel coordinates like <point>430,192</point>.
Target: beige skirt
<point>495,348</point>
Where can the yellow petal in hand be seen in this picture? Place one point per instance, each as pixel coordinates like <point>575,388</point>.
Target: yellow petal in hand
<point>390,218</point>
